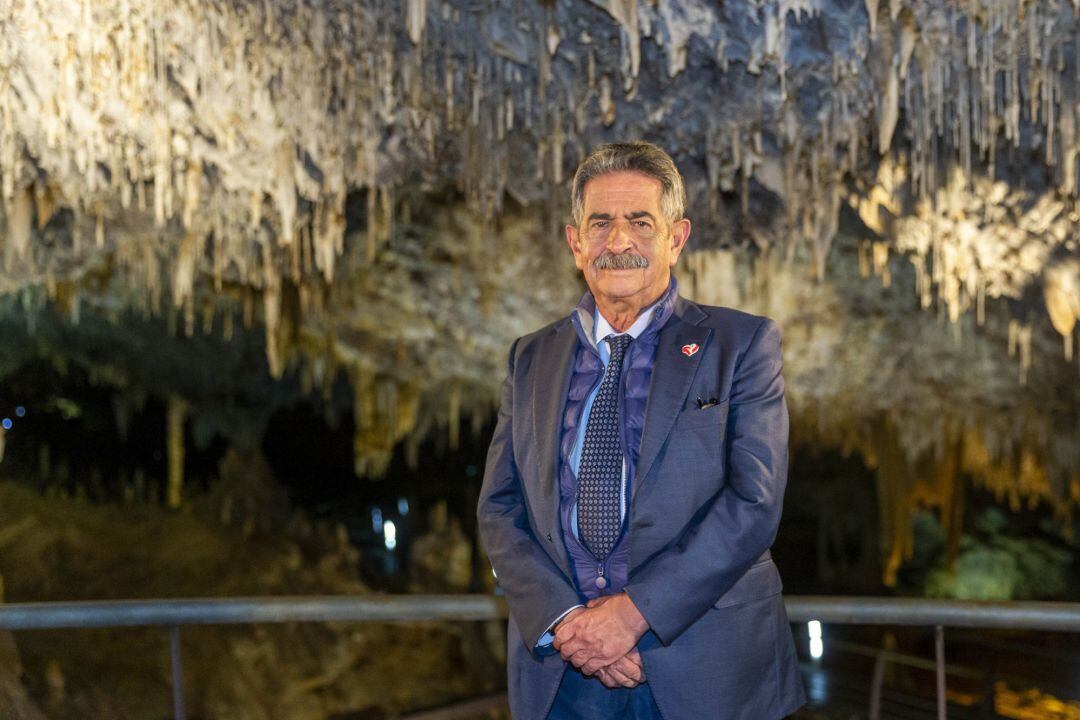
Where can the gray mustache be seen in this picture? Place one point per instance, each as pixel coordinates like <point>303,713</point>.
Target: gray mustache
<point>621,261</point>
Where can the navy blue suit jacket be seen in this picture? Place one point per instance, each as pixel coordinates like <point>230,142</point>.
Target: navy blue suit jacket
<point>705,505</point>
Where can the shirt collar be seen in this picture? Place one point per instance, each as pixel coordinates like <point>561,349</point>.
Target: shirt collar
<point>585,315</point>
<point>603,327</point>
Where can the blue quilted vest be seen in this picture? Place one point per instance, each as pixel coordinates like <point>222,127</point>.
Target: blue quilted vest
<point>587,373</point>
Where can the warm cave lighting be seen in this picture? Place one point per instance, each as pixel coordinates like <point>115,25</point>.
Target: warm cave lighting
<point>390,534</point>
<point>376,520</point>
<point>20,411</point>
<point>6,422</point>
<point>403,507</point>
<point>817,646</point>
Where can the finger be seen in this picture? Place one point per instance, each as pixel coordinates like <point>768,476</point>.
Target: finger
<point>624,679</point>
<point>607,679</point>
<point>628,669</point>
<point>581,658</point>
<point>591,665</point>
<point>565,631</point>
<point>572,647</point>
<point>622,671</point>
<point>635,657</point>
<point>564,638</point>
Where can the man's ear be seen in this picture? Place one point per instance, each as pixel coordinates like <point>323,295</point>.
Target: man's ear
<point>680,233</point>
<point>575,247</point>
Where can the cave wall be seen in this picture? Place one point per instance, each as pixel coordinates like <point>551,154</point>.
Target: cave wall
<point>379,189</point>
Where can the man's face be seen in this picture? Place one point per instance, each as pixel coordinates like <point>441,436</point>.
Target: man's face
<point>622,225</point>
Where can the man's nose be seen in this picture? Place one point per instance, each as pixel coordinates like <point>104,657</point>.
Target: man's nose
<point>619,238</point>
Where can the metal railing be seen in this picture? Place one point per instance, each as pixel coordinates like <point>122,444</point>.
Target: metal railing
<point>836,610</point>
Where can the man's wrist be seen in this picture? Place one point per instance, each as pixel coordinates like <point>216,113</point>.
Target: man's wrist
<point>566,616</point>
<point>632,616</point>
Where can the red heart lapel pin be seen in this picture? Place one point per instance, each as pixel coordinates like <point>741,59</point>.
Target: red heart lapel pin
<point>689,350</point>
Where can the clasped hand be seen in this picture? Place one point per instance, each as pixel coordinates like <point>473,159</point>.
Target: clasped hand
<point>600,640</point>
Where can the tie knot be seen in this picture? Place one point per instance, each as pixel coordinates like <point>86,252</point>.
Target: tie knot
<point>618,344</point>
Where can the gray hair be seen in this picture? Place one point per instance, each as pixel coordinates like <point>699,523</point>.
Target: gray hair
<point>636,156</point>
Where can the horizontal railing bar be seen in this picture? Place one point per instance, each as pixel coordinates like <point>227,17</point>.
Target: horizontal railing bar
<point>837,610</point>
<point>225,611</point>
<point>841,610</point>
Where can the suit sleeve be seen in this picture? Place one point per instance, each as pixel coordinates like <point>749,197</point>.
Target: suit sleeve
<point>537,592</point>
<point>737,525</point>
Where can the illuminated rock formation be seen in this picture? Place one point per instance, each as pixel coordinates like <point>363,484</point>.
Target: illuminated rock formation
<point>380,187</point>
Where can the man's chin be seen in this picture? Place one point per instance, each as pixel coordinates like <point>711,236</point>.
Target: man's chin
<point>616,290</point>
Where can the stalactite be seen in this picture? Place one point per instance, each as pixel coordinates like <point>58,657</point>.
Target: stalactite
<point>625,12</point>
<point>453,416</point>
<point>1062,295</point>
<point>250,129</point>
<point>880,255</point>
<point>416,14</point>
<point>19,220</point>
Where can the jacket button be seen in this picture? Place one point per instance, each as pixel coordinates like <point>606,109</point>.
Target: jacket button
<point>601,582</point>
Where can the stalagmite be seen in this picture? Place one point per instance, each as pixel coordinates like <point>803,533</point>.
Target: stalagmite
<point>176,414</point>
<point>250,138</point>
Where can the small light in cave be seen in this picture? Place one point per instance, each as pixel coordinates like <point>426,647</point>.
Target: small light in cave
<point>817,645</point>
<point>376,520</point>
<point>390,534</point>
<point>403,506</point>
<point>6,422</point>
<point>817,687</point>
<point>20,411</point>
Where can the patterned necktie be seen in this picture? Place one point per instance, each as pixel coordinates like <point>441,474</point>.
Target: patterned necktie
<point>600,471</point>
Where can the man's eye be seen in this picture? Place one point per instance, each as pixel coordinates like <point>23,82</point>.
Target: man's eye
<point>600,224</point>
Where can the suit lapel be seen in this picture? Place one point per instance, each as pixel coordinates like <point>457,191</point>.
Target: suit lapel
<point>673,371</point>
<point>550,386</point>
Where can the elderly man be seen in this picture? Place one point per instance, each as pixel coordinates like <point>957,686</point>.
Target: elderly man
<point>635,479</point>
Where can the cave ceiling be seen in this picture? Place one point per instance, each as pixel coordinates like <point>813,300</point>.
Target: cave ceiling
<point>379,188</point>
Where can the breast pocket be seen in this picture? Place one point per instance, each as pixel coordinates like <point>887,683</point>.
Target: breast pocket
<point>711,416</point>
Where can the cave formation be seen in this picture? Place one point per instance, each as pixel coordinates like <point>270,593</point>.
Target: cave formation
<point>379,189</point>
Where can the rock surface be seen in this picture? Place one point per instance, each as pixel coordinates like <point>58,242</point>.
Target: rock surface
<point>381,188</point>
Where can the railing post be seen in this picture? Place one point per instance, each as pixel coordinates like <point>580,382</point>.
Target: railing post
<point>939,661</point>
<point>875,686</point>
<point>177,673</point>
